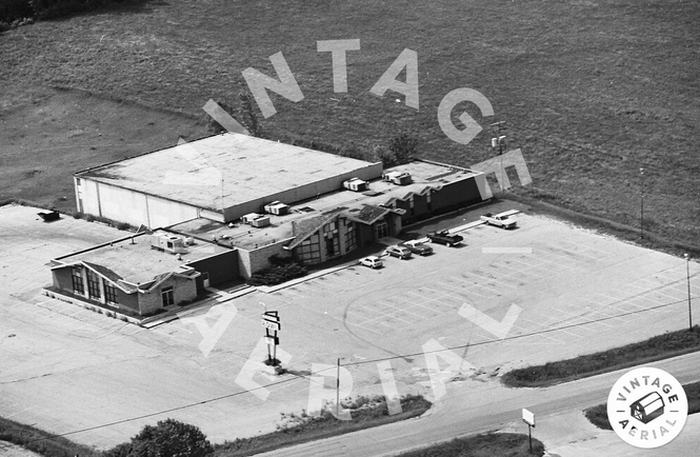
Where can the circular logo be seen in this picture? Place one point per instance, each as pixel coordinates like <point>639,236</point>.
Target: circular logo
<point>647,407</point>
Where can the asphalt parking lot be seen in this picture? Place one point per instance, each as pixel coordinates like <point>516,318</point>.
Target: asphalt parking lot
<point>574,292</point>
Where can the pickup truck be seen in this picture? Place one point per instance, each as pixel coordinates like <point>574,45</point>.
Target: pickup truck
<point>499,221</point>
<point>444,237</point>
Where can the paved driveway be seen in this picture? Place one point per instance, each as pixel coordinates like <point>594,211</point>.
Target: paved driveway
<point>66,368</point>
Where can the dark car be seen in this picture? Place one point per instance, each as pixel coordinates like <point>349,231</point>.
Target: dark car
<point>400,251</point>
<point>418,248</point>
<point>444,237</point>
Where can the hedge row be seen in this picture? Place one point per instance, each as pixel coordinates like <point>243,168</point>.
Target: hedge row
<point>277,274</point>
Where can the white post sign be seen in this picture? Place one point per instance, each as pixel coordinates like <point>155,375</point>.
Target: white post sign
<point>529,417</point>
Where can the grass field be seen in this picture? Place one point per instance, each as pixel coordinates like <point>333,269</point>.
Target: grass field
<point>591,90</point>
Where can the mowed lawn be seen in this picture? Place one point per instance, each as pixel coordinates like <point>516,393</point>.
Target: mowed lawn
<point>590,90</point>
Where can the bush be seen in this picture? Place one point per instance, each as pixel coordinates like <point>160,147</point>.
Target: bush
<point>277,274</point>
<point>598,416</point>
<point>403,148</point>
<point>14,9</point>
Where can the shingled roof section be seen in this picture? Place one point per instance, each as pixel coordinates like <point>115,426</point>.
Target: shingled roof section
<point>369,214</point>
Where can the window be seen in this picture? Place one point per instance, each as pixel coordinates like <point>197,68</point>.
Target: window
<point>309,252</point>
<point>332,246</point>
<point>382,229</point>
<point>110,293</point>
<point>350,239</point>
<point>78,285</point>
<point>93,285</point>
<point>168,296</point>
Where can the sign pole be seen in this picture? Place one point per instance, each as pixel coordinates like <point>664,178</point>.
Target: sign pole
<point>337,389</point>
<point>274,350</point>
<point>529,418</point>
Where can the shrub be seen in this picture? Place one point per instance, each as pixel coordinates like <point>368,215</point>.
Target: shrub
<point>11,10</point>
<point>598,416</point>
<point>277,274</point>
<point>402,148</point>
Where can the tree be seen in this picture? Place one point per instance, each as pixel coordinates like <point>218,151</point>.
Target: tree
<point>120,450</point>
<point>168,438</point>
<point>213,126</point>
<point>250,119</point>
<point>403,147</point>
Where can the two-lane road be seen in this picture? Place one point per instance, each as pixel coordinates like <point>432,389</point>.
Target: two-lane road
<point>474,407</point>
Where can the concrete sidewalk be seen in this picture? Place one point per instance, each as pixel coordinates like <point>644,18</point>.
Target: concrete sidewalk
<point>570,434</point>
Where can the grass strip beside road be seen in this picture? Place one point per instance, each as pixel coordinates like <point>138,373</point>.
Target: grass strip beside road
<point>598,414</point>
<point>484,445</point>
<point>664,346</point>
<point>41,442</point>
<point>366,412</point>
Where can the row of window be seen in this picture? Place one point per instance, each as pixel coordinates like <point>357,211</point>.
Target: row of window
<point>93,286</point>
<point>110,291</point>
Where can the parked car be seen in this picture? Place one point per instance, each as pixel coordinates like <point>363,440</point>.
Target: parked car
<point>372,262</point>
<point>402,252</point>
<point>499,221</point>
<point>444,237</point>
<point>418,248</point>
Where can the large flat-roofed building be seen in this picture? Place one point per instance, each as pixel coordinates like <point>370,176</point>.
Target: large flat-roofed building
<point>334,224</point>
<point>144,273</point>
<point>220,178</point>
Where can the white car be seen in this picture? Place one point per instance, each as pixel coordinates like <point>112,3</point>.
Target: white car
<point>372,262</point>
<point>499,221</point>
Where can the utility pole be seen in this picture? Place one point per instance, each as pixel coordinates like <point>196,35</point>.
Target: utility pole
<point>499,142</point>
<point>687,278</point>
<point>641,203</point>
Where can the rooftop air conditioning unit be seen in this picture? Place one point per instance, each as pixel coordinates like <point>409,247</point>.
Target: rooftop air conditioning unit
<point>400,178</point>
<point>169,243</point>
<point>356,185</point>
<point>276,208</point>
<point>262,221</point>
<point>249,218</point>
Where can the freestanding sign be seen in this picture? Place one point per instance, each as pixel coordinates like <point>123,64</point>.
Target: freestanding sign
<point>271,324</point>
<point>529,419</point>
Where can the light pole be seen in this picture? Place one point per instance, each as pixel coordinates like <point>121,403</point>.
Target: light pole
<point>687,278</point>
<point>498,142</point>
<point>641,203</point>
